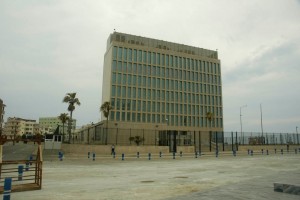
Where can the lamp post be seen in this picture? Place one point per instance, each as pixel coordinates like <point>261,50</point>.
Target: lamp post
<point>241,120</point>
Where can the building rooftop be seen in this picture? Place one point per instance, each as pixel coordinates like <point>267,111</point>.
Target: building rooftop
<point>160,44</point>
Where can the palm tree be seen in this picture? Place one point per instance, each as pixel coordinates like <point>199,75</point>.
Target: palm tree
<point>105,108</point>
<point>71,99</point>
<point>210,117</point>
<point>63,118</point>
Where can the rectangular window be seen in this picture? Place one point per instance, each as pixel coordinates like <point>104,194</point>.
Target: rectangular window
<point>128,116</point>
<point>140,56</point>
<point>125,54</point>
<point>134,55</point>
<point>144,106</point>
<point>129,70</point>
<point>123,91</point>
<point>139,105</point>
<point>148,106</point>
<point>120,53</point>
<point>128,104</point>
<point>167,60</point>
<point>115,53</point>
<point>118,116</point>
<point>153,107</point>
<point>113,90</point>
<point>123,104</point>
<point>129,92</point>
<point>114,65</point>
<point>139,93</point>
<point>144,117</point>
<point>119,91</point>
<point>130,55</point>
<point>124,79</point>
<point>114,78</point>
<point>145,56</point>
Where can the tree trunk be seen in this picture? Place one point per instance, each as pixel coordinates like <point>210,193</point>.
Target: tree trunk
<point>106,130</point>
<point>69,128</point>
<point>63,138</point>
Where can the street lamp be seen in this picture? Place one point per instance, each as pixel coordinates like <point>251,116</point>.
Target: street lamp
<point>241,120</point>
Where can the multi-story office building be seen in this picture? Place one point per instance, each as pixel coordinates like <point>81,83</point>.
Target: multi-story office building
<point>2,112</point>
<point>158,85</point>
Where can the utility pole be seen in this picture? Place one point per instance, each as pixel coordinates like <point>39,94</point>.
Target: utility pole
<point>241,120</point>
<point>261,124</point>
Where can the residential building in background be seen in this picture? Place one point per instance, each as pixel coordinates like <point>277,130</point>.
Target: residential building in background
<point>2,112</point>
<point>15,126</point>
<point>54,122</point>
<point>171,89</point>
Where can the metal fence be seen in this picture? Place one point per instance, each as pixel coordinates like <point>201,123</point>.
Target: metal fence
<point>201,140</point>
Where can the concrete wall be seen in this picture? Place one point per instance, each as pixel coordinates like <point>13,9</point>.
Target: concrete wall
<point>82,149</point>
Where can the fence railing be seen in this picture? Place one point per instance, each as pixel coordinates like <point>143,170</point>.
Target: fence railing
<point>201,140</point>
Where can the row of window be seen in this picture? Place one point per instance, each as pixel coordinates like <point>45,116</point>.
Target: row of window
<point>167,73</point>
<point>162,107</point>
<point>171,120</point>
<point>165,95</point>
<point>156,83</point>
<point>153,58</point>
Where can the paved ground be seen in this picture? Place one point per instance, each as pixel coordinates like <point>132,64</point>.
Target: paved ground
<point>207,177</point>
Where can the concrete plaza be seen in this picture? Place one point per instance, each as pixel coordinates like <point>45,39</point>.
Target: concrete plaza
<point>187,177</point>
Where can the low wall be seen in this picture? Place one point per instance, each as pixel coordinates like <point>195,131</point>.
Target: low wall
<point>269,147</point>
<point>106,149</point>
<point>83,149</point>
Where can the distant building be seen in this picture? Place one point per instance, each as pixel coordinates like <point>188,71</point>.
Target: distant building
<point>2,112</point>
<point>55,122</point>
<point>17,126</point>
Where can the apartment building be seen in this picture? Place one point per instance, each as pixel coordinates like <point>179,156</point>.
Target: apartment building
<point>18,126</point>
<point>2,112</point>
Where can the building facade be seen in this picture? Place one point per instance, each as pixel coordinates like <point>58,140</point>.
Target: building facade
<point>54,122</point>
<point>2,112</point>
<point>15,126</point>
<point>162,86</point>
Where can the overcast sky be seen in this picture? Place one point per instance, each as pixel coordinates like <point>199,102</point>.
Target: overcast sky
<point>51,47</point>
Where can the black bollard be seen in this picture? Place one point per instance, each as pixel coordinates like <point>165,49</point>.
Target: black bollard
<point>251,152</point>
<point>138,155</point>
<point>196,154</point>
<point>248,151</point>
<point>149,156</point>
<point>173,155</point>
<point>94,155</point>
<point>262,151</point>
<point>123,156</point>
<point>89,153</point>
<point>234,153</point>
<point>114,154</point>
<point>180,153</point>
<point>281,151</point>
<point>275,151</point>
<point>160,154</point>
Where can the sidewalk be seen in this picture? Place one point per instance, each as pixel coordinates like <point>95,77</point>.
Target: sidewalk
<point>205,177</point>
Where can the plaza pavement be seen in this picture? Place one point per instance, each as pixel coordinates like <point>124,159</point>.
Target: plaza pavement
<point>206,177</point>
